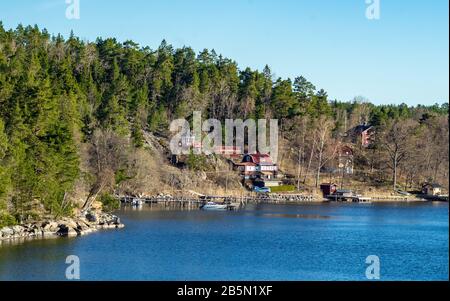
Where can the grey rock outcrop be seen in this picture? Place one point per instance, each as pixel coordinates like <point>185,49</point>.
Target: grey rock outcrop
<point>66,227</point>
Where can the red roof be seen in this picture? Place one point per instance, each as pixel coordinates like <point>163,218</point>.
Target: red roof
<point>262,159</point>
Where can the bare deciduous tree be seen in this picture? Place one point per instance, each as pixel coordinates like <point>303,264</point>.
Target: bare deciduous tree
<point>108,154</point>
<point>396,140</point>
<point>325,148</point>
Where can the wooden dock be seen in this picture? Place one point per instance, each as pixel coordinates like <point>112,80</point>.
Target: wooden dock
<point>165,201</point>
<point>349,198</point>
<point>435,198</point>
<point>234,202</point>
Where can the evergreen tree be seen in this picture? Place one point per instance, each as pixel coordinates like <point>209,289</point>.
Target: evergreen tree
<point>283,102</point>
<point>4,173</point>
<point>158,120</point>
<point>114,116</point>
<point>136,134</point>
<point>303,88</point>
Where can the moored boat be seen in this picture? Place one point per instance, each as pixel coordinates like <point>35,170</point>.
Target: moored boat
<point>137,202</point>
<point>214,206</point>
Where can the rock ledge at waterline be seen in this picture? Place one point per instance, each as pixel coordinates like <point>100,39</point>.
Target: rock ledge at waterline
<point>65,227</point>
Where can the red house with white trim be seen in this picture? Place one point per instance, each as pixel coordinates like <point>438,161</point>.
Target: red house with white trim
<point>258,166</point>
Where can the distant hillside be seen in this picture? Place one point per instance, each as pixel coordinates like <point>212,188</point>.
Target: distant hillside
<point>80,119</point>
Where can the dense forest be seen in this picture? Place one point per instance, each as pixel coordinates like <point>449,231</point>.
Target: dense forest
<point>74,116</point>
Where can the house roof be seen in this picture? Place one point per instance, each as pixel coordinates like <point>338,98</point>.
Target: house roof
<point>262,159</point>
<point>362,128</point>
<point>359,129</point>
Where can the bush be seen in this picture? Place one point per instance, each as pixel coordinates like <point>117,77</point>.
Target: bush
<point>7,220</point>
<point>197,162</point>
<point>109,202</point>
<point>121,176</point>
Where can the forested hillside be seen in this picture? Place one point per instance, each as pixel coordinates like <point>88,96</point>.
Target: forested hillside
<point>74,116</point>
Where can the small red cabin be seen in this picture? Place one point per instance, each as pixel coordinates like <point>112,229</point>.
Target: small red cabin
<point>328,188</point>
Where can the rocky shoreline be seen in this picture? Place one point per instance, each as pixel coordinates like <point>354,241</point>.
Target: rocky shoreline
<point>64,227</point>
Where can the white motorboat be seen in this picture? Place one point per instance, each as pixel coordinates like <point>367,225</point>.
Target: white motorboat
<point>214,206</point>
<point>137,202</point>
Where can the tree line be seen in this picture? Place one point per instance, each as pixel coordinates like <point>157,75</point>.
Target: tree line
<point>66,106</point>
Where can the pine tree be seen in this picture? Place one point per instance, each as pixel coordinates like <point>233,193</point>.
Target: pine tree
<point>158,120</point>
<point>303,88</point>
<point>162,76</point>
<point>283,102</point>
<point>318,105</point>
<point>248,93</point>
<point>22,170</point>
<point>114,117</point>
<point>136,134</point>
<point>5,179</point>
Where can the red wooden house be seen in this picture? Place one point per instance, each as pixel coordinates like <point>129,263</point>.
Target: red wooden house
<point>259,166</point>
<point>363,134</point>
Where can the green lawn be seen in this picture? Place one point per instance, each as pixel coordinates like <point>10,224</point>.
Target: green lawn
<point>283,188</point>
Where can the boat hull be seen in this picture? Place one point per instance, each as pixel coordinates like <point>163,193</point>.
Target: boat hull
<point>215,207</point>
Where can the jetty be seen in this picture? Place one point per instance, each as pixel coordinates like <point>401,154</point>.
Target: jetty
<point>351,198</point>
<point>233,202</point>
<point>434,198</point>
<point>345,195</point>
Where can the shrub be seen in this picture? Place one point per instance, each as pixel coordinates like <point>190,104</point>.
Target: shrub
<point>197,162</point>
<point>7,220</point>
<point>109,202</point>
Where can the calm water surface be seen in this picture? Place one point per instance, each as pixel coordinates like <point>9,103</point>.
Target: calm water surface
<point>263,242</point>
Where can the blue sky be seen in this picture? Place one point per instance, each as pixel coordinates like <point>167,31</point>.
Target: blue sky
<point>402,57</point>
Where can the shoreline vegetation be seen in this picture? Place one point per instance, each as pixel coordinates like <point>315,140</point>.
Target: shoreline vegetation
<point>83,121</point>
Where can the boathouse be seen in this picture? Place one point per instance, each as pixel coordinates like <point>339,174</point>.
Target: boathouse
<point>328,189</point>
<point>432,189</point>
